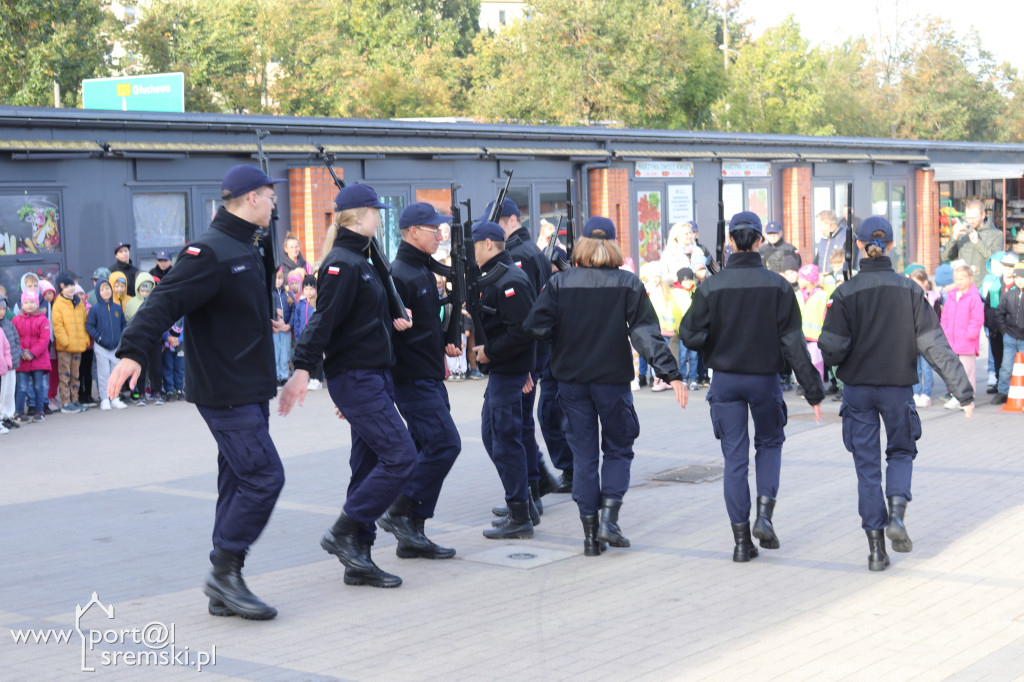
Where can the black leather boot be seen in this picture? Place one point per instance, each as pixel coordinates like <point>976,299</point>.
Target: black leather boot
<point>896,531</point>
<point>398,521</point>
<point>564,482</point>
<point>426,549</point>
<point>370,574</point>
<point>548,482</point>
<point>763,529</point>
<point>342,540</point>
<point>878,559</point>
<point>218,608</point>
<point>516,525</point>
<point>226,586</point>
<point>591,545</point>
<point>745,550</point>
<point>503,512</point>
<point>608,527</point>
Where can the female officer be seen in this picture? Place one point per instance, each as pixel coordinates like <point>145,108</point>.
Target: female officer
<point>350,330</point>
<point>590,314</point>
<point>875,325</point>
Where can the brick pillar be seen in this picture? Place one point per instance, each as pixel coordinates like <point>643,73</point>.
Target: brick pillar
<point>609,197</point>
<point>796,210</point>
<point>927,202</point>
<point>312,193</point>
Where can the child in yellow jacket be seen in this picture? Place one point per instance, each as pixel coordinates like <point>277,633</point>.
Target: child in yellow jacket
<point>71,340</point>
<point>812,299</point>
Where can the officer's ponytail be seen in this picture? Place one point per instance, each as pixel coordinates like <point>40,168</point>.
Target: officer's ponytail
<point>875,247</point>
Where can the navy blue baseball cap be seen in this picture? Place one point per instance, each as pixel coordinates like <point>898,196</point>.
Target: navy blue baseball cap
<point>121,245</point>
<point>488,230</point>
<point>872,224</point>
<point>163,254</point>
<point>421,213</point>
<point>745,220</point>
<point>508,207</point>
<point>244,178</point>
<point>603,225</point>
<point>358,196</point>
<point>772,227</point>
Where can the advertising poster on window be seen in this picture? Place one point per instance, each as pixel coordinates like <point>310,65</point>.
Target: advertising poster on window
<point>680,204</point>
<point>648,210</point>
<point>746,169</point>
<point>732,198</point>
<point>757,202</point>
<point>663,169</point>
<point>29,224</point>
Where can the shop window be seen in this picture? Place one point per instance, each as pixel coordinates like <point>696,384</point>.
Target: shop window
<point>161,220</point>
<point>389,234</point>
<point>30,225</point>
<point>521,195</point>
<point>552,209</point>
<point>12,271</point>
<point>890,200</point>
<point>649,220</point>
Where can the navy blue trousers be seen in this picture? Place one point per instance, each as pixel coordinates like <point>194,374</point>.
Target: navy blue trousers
<point>594,476</point>
<point>529,425</point>
<point>383,454</point>
<point>862,406</point>
<point>551,419</point>
<point>427,412</point>
<point>731,396</point>
<point>250,475</point>
<point>502,430</point>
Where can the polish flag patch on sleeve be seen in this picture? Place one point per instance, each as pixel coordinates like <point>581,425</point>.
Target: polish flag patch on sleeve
<point>510,292</point>
<point>193,250</point>
<point>333,270</point>
<point>828,303</point>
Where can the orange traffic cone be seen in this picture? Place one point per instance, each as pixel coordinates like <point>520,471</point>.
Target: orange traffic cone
<point>1015,398</point>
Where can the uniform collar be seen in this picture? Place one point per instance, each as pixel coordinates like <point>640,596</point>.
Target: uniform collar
<point>880,264</point>
<point>502,257</point>
<point>410,254</point>
<point>347,239</point>
<point>745,259</point>
<point>235,227</point>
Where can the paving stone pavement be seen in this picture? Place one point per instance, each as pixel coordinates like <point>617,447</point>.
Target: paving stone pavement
<point>121,504</point>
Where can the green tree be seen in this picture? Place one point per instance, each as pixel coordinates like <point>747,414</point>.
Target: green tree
<point>947,88</point>
<point>371,59</point>
<point>777,85</point>
<point>43,42</point>
<point>218,46</point>
<point>631,62</point>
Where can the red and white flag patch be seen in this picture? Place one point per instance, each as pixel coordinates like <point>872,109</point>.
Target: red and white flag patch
<point>192,250</point>
<point>333,270</point>
<point>828,303</point>
<point>509,293</point>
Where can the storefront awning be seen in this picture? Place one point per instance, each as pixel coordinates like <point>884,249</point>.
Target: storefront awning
<point>976,171</point>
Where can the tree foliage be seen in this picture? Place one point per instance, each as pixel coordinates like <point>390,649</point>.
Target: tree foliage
<point>636,63</point>
<point>586,61</point>
<point>43,42</point>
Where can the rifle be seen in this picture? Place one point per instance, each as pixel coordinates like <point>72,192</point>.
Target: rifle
<point>267,241</point>
<point>456,274</point>
<point>715,266</point>
<point>848,265</point>
<point>380,262</point>
<point>496,209</point>
<point>570,224</point>
<point>549,250</point>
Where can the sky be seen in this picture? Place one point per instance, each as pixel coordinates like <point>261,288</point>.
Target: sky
<point>998,22</point>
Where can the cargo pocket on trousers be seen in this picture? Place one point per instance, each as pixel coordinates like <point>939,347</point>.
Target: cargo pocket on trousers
<point>783,412</point>
<point>630,422</point>
<point>914,421</point>
<point>716,422</point>
<point>847,428</point>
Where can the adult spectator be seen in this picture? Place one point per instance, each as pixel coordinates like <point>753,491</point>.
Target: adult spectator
<point>775,249</point>
<point>163,265</point>
<point>218,285</point>
<point>292,256</point>
<point>833,237</point>
<point>681,249</point>
<point>123,263</point>
<point>975,240</point>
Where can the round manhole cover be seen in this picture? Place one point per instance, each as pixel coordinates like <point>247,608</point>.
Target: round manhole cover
<point>522,555</point>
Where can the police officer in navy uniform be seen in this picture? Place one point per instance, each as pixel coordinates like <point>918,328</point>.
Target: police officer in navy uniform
<point>746,319</point>
<point>506,356</point>
<point>775,249</point>
<point>420,393</point>
<point>875,326</point>
<point>219,286</point>
<point>351,331</point>
<point>525,253</point>
<point>590,314</point>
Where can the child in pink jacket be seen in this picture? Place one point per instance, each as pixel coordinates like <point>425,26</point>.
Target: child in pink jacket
<point>963,316</point>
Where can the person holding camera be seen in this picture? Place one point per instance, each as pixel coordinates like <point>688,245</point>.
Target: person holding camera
<point>974,240</point>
